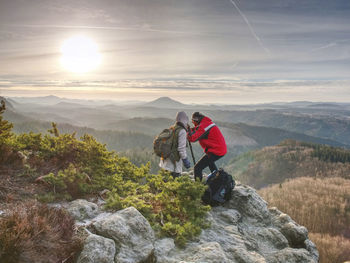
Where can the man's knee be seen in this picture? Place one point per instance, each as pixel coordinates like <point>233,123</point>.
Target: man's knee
<point>197,169</point>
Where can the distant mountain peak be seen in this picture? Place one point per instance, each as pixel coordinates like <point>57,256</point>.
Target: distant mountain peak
<point>164,102</point>
<point>51,97</point>
<point>166,99</point>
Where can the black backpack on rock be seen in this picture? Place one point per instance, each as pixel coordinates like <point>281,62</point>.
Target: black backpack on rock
<point>220,186</point>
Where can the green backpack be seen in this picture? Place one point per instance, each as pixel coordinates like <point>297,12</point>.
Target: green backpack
<point>165,144</point>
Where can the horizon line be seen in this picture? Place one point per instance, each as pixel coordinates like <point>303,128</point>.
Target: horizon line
<point>167,97</point>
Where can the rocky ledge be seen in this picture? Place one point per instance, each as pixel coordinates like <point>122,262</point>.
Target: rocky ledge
<point>245,230</point>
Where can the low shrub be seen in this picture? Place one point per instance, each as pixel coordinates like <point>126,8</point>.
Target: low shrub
<point>173,207</point>
<point>33,232</point>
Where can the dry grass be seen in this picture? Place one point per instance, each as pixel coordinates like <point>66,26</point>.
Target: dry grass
<point>34,232</point>
<point>333,249</point>
<point>323,206</point>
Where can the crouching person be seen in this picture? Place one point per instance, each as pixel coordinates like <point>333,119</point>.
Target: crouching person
<point>211,140</point>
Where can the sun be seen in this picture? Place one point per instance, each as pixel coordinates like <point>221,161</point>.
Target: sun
<point>80,54</point>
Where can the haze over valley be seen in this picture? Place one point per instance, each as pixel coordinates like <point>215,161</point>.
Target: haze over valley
<point>132,127</point>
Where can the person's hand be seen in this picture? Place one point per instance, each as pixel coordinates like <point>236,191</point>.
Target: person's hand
<point>186,163</point>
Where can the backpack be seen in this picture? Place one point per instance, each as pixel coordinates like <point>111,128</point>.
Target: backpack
<point>220,186</point>
<point>164,145</point>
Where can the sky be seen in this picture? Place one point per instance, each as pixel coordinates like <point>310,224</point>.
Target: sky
<point>195,51</point>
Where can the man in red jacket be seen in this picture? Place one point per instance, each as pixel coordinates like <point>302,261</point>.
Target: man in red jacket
<point>211,140</point>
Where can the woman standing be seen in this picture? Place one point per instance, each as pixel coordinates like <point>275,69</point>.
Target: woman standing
<point>180,154</point>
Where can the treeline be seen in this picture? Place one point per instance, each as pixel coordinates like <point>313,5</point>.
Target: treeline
<point>323,152</point>
<point>331,154</point>
<point>266,136</point>
<point>319,126</point>
<point>289,159</point>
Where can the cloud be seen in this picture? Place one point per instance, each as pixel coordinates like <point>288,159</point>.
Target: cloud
<point>155,39</point>
<point>185,84</point>
<point>208,91</point>
<point>250,27</point>
<point>31,57</point>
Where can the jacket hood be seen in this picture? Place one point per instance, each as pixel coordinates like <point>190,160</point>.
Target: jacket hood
<point>182,117</point>
<point>206,119</point>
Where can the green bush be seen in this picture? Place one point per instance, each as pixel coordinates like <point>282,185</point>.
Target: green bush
<point>69,181</point>
<point>6,139</point>
<point>5,126</point>
<point>173,207</point>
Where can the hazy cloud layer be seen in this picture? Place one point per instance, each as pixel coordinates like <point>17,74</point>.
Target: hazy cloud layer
<point>186,90</point>
<point>249,44</point>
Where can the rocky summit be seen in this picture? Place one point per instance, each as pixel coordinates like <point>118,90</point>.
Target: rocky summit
<point>245,230</point>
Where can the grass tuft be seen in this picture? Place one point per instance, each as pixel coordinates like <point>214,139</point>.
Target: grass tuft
<point>34,232</point>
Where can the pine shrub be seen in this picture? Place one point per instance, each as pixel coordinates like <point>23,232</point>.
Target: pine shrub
<point>172,206</point>
<point>7,153</point>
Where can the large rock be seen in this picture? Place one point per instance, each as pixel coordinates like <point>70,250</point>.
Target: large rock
<point>163,247</point>
<point>132,234</point>
<point>296,234</point>
<point>291,255</point>
<point>81,209</point>
<point>311,247</point>
<point>207,252</point>
<point>266,239</point>
<point>248,203</point>
<point>242,231</point>
<point>97,249</point>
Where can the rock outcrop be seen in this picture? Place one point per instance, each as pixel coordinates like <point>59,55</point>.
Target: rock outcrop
<point>97,249</point>
<point>245,230</point>
<point>81,209</point>
<point>133,235</point>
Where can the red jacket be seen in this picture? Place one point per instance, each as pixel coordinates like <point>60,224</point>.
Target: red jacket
<point>209,136</point>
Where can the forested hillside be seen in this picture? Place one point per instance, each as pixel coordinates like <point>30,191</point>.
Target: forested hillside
<point>290,159</point>
<point>326,126</point>
<point>323,206</point>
